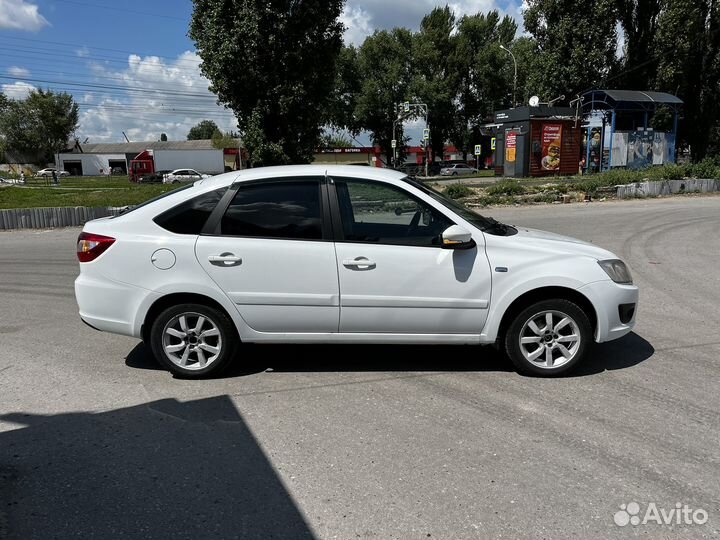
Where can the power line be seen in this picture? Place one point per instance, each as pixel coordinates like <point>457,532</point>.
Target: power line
<point>144,13</point>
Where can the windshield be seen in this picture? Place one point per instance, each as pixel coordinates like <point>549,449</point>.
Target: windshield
<point>481,222</point>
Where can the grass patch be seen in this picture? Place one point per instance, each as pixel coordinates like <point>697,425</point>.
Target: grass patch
<point>101,191</point>
<point>458,191</point>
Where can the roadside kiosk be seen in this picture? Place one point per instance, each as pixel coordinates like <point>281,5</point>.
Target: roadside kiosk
<point>536,141</point>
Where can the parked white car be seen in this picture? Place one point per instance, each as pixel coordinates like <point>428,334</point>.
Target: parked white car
<point>183,175</point>
<point>44,173</point>
<point>342,254</point>
<point>458,169</point>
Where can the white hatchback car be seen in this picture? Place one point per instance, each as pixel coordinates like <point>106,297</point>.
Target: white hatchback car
<point>333,254</point>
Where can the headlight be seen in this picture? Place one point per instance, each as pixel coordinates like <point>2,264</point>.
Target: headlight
<point>617,270</point>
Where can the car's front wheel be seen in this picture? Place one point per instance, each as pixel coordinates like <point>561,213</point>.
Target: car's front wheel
<point>548,338</point>
<point>193,340</point>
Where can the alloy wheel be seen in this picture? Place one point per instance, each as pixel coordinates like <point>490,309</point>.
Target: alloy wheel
<point>550,339</point>
<point>191,341</point>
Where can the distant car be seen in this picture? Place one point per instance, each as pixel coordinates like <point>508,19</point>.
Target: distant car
<point>153,178</point>
<point>411,169</point>
<point>458,169</point>
<point>183,175</point>
<point>44,173</point>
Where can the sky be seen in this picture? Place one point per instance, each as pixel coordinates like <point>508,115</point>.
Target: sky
<point>131,67</point>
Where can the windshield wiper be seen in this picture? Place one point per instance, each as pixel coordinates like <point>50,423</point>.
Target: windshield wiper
<point>496,225</point>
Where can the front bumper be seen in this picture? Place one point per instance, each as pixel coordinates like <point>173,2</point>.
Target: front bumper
<point>615,306</point>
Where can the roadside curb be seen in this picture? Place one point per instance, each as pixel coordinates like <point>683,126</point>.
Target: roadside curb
<point>653,188</point>
<point>50,218</point>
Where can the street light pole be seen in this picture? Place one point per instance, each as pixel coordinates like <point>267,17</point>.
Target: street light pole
<point>515,76</point>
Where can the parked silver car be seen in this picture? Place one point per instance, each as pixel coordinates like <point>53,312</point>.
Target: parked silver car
<point>458,169</point>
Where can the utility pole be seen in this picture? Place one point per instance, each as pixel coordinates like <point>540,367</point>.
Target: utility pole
<point>515,76</point>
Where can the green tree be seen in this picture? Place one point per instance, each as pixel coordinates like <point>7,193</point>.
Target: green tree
<point>576,42</point>
<point>484,73</point>
<point>273,64</point>
<point>225,140</point>
<point>40,125</point>
<point>203,130</point>
<point>435,80</point>
<point>385,67</point>
<point>688,44</point>
<point>335,140</point>
<point>639,20</point>
<point>343,100</point>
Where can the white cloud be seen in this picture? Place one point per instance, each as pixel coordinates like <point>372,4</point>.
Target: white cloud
<point>21,15</point>
<point>362,17</point>
<point>162,97</point>
<point>82,52</point>
<point>357,24</point>
<point>16,71</point>
<point>17,90</point>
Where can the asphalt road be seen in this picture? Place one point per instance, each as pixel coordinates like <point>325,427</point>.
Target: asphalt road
<point>368,442</point>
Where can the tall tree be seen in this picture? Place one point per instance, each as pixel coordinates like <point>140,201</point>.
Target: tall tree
<point>205,129</point>
<point>435,81</point>
<point>639,22</point>
<point>576,41</point>
<point>688,54</point>
<point>343,100</point>
<point>41,124</point>
<point>484,73</point>
<point>273,64</point>
<point>385,67</point>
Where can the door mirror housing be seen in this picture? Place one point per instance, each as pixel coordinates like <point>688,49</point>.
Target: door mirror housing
<point>456,237</point>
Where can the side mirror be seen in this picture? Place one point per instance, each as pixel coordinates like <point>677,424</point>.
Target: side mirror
<point>455,237</point>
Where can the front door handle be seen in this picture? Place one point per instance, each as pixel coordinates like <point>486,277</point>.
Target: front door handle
<point>361,263</point>
<point>225,259</point>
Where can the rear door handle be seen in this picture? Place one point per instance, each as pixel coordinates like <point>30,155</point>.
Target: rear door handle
<point>361,263</point>
<point>225,259</point>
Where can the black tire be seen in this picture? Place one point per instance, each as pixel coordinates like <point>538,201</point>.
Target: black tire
<point>560,308</point>
<point>226,342</point>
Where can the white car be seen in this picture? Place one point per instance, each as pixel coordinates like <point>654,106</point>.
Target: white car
<point>342,254</point>
<point>458,169</point>
<point>44,173</point>
<point>183,175</point>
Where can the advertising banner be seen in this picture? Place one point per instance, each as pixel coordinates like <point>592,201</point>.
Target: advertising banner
<point>640,149</point>
<point>510,146</point>
<point>551,144</point>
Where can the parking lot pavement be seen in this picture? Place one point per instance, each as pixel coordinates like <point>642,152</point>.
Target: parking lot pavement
<point>369,442</point>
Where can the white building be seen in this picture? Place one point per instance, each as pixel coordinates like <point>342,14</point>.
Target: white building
<point>104,158</point>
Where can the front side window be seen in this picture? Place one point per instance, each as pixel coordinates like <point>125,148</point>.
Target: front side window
<point>378,213</point>
<point>288,210</point>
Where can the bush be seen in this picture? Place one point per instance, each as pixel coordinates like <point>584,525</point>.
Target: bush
<point>707,168</point>
<point>506,187</point>
<point>668,172</point>
<point>458,191</point>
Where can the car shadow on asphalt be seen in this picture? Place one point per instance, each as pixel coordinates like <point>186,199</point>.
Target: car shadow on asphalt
<point>158,470</point>
<point>619,354</point>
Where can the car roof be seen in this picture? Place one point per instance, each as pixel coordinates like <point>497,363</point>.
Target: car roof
<point>284,171</point>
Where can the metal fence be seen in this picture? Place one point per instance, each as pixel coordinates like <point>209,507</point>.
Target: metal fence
<point>49,218</point>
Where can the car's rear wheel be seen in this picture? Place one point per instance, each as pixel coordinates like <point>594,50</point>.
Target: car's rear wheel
<point>548,338</point>
<point>193,340</point>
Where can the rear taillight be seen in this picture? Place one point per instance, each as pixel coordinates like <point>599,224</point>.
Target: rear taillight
<point>91,246</point>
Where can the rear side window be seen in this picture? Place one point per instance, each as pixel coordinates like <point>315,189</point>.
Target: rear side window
<point>288,210</point>
<point>190,217</point>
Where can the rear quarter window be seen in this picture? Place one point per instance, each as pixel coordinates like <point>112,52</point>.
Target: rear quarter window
<point>189,217</point>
